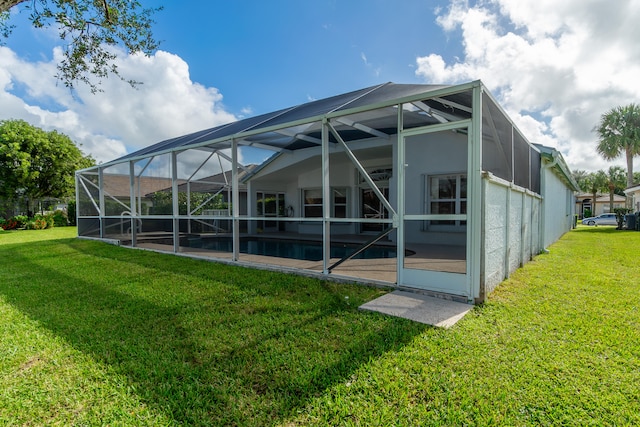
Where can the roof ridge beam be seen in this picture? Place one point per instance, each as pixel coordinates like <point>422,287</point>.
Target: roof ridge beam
<point>373,89</point>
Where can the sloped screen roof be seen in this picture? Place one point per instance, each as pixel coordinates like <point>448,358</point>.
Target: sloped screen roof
<point>374,95</point>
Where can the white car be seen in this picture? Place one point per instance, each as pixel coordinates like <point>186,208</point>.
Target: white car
<point>603,219</point>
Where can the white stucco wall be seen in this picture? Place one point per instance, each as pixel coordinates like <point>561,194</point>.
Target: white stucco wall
<point>494,234</point>
<point>511,218</point>
<point>515,223</point>
<point>558,206</point>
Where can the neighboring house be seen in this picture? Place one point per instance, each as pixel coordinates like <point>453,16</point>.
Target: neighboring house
<point>424,187</point>
<point>584,202</point>
<point>219,184</point>
<point>633,196</point>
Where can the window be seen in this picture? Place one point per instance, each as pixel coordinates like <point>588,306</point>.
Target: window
<point>270,205</point>
<point>312,203</point>
<point>446,195</point>
<point>378,175</point>
<point>371,207</point>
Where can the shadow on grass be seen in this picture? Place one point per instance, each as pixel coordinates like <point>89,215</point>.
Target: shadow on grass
<point>204,343</point>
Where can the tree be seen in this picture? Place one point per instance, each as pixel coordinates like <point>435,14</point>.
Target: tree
<point>581,177</point>
<point>90,28</point>
<point>595,182</point>
<point>619,132</point>
<point>35,164</point>
<point>615,177</point>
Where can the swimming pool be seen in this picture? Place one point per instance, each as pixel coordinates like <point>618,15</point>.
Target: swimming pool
<point>294,249</point>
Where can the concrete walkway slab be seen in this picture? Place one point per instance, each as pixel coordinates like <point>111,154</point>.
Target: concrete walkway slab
<point>419,308</point>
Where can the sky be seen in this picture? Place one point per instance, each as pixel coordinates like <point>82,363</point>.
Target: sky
<point>554,66</point>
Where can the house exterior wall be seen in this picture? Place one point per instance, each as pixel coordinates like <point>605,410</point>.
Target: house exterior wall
<point>511,217</point>
<point>496,227</point>
<point>633,194</point>
<point>558,205</point>
<point>431,154</point>
<point>602,205</point>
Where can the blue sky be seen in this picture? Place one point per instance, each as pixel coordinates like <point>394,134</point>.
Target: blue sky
<point>554,66</point>
<point>266,55</point>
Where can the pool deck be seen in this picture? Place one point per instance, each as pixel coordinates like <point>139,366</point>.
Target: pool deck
<point>379,270</point>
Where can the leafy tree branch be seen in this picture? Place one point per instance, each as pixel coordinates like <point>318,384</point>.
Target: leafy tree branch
<point>90,30</point>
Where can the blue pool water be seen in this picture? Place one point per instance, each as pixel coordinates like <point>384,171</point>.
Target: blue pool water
<point>303,250</point>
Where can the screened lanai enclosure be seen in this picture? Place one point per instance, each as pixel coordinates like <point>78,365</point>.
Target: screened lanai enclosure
<point>416,186</point>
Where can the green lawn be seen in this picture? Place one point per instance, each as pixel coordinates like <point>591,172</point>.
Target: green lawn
<point>94,334</point>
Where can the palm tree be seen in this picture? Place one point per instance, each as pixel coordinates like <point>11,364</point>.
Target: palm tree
<point>595,182</point>
<point>619,132</point>
<point>581,177</point>
<point>615,183</point>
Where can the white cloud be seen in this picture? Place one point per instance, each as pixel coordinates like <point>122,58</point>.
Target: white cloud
<point>554,66</point>
<point>364,58</point>
<point>376,70</point>
<point>120,119</point>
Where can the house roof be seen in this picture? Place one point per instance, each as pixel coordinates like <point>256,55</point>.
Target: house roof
<point>372,114</point>
<point>606,199</point>
<point>554,157</point>
<point>213,183</point>
<point>633,189</point>
<point>119,185</point>
<point>600,198</point>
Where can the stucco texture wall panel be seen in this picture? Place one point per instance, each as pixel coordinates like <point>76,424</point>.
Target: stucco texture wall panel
<point>515,224</point>
<point>495,229</point>
<point>527,225</point>
<point>558,207</point>
<point>535,226</point>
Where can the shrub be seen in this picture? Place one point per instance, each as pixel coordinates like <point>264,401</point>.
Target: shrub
<point>40,222</point>
<point>51,222</point>
<point>37,223</point>
<point>9,224</point>
<point>71,212</point>
<point>21,219</point>
<point>60,219</point>
<point>14,222</point>
<point>48,220</point>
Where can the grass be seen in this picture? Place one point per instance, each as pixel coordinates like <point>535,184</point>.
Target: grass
<point>93,334</point>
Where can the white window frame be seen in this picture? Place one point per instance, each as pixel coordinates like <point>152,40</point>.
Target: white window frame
<point>346,204</point>
<point>459,225</point>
